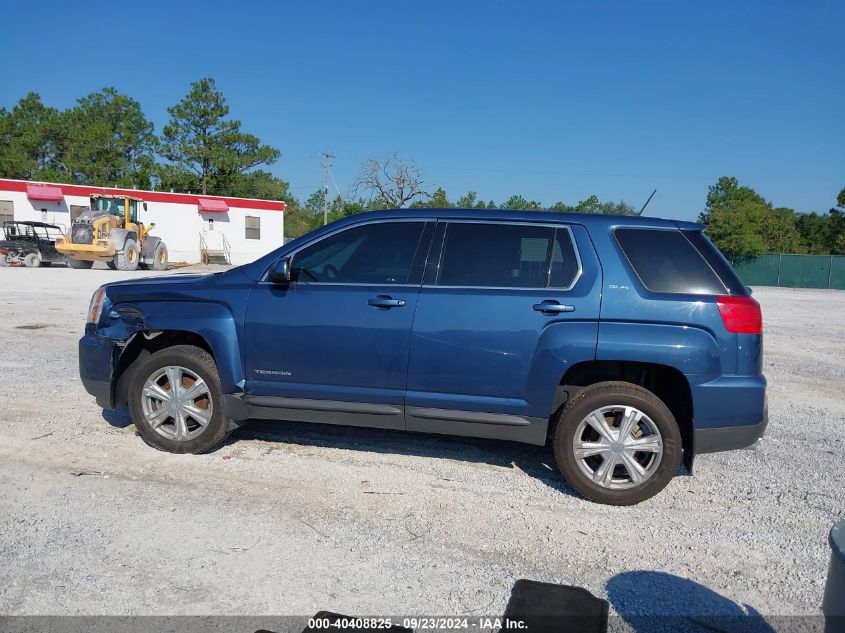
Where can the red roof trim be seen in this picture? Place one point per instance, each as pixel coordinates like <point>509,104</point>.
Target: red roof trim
<point>213,206</point>
<point>147,196</point>
<point>44,192</point>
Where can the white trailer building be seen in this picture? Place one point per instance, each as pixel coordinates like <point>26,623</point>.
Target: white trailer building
<point>227,230</point>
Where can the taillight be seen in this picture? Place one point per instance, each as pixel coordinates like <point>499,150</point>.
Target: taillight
<point>741,315</point>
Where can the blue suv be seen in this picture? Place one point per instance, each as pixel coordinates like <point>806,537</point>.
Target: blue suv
<point>627,343</point>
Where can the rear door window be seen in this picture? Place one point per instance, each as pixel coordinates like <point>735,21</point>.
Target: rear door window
<point>666,261</point>
<point>498,255</point>
<point>564,267</point>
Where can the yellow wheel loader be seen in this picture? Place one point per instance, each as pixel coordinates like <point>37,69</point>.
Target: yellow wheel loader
<point>110,232</point>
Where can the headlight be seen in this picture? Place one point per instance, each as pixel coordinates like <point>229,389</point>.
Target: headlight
<point>95,310</point>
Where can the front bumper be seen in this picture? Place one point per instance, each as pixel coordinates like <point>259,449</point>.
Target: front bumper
<point>97,358</point>
<point>85,252</point>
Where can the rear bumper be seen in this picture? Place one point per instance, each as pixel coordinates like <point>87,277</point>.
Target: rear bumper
<point>729,438</point>
<point>97,355</point>
<point>731,412</point>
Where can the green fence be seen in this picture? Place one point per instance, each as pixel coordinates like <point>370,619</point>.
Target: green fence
<point>792,271</point>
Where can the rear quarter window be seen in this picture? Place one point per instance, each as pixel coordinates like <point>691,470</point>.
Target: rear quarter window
<point>718,263</point>
<point>666,261</point>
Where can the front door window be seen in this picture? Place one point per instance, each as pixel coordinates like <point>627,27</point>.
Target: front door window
<point>382,253</point>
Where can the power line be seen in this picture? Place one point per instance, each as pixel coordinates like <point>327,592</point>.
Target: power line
<point>331,175</point>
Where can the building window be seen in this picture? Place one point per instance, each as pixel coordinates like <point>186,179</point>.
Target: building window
<point>253,228</point>
<point>7,212</point>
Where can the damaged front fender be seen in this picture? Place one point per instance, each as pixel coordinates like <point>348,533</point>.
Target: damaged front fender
<point>109,348</point>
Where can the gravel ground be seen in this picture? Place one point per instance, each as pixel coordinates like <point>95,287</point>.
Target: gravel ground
<point>293,518</point>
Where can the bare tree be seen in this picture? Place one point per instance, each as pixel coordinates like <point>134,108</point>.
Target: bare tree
<point>391,180</point>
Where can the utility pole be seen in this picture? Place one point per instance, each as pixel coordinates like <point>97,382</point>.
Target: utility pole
<point>327,163</point>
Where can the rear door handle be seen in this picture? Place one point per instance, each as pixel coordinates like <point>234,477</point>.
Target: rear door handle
<point>386,301</point>
<point>550,306</point>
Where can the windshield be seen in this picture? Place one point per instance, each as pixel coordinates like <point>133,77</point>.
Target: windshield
<point>109,205</point>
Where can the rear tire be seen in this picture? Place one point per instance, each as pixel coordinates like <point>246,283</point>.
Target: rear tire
<point>163,416</point>
<point>607,462</point>
<point>79,263</point>
<point>160,257</point>
<point>32,260</point>
<point>126,259</point>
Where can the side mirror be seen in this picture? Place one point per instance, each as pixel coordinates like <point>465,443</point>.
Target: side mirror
<point>280,272</point>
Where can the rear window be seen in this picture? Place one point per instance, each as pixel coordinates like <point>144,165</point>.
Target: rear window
<point>666,261</point>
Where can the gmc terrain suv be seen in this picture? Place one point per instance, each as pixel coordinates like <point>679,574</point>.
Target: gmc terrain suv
<point>626,342</point>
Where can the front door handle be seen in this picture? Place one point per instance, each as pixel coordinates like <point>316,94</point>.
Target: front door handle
<point>550,306</point>
<point>385,301</point>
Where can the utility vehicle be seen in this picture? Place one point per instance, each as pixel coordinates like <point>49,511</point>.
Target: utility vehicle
<point>30,244</point>
<point>624,342</point>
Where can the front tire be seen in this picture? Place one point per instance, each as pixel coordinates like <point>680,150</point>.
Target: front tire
<point>126,259</point>
<point>32,260</point>
<point>617,443</point>
<point>176,400</point>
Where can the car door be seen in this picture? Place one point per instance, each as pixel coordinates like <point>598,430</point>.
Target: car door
<point>503,312</point>
<point>332,346</point>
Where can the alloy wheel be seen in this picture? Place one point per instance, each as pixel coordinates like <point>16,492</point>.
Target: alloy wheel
<point>176,403</point>
<point>617,447</point>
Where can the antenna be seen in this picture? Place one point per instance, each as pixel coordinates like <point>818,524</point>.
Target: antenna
<point>647,201</point>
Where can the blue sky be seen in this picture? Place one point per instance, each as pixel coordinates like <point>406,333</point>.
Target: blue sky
<point>551,100</point>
